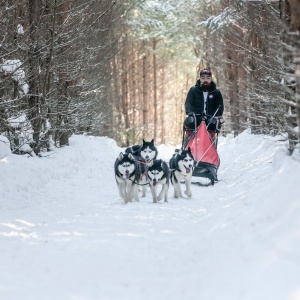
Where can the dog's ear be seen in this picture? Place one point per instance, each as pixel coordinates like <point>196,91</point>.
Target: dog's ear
<point>121,155</point>
<point>190,153</point>
<point>144,141</point>
<point>161,163</point>
<point>152,141</point>
<point>130,156</point>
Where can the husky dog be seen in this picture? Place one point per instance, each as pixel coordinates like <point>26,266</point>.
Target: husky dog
<point>127,174</point>
<point>181,167</point>
<point>145,154</point>
<point>147,151</point>
<point>158,173</point>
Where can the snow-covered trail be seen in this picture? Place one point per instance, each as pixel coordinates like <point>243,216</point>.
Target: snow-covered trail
<point>65,233</point>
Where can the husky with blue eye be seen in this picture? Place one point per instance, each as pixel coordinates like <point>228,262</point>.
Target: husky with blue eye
<point>158,174</point>
<point>127,174</point>
<point>181,167</point>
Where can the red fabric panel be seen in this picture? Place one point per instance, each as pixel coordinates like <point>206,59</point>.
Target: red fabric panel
<point>202,147</point>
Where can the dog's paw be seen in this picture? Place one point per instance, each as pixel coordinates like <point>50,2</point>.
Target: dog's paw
<point>178,196</point>
<point>144,193</point>
<point>128,199</point>
<point>188,193</point>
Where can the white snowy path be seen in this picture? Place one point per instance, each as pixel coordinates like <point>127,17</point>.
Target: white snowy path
<point>66,235</point>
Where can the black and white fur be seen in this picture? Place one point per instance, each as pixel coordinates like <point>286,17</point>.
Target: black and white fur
<point>145,154</point>
<point>127,174</point>
<point>181,167</point>
<point>147,151</point>
<point>158,174</point>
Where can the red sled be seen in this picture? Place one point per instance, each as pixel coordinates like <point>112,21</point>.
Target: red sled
<point>203,145</point>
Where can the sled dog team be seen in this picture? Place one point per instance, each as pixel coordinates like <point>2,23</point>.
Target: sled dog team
<point>139,167</point>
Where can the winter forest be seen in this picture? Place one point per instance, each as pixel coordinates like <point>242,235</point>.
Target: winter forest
<point>122,68</point>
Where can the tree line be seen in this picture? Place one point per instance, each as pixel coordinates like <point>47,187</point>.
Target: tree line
<point>122,68</point>
<point>54,69</point>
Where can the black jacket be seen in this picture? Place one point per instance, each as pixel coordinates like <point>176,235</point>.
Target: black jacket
<point>195,101</point>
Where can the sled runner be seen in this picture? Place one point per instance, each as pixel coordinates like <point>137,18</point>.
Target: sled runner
<point>203,145</point>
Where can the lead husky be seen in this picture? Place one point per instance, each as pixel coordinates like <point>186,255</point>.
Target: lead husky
<point>145,154</point>
<point>127,174</point>
<point>158,174</point>
<point>147,151</point>
<point>182,166</point>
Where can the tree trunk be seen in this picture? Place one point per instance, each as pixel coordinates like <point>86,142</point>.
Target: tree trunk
<point>290,95</point>
<point>155,116</point>
<point>231,71</point>
<point>295,27</point>
<point>34,91</point>
<point>162,112</point>
<point>145,120</point>
<point>125,100</point>
<point>64,80</point>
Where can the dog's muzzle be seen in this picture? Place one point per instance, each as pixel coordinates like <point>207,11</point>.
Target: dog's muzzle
<point>154,182</point>
<point>187,170</point>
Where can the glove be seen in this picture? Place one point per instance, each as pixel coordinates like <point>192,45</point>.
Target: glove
<point>213,120</point>
<point>218,126</point>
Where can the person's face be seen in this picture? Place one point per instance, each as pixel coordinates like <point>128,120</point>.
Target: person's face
<point>205,80</point>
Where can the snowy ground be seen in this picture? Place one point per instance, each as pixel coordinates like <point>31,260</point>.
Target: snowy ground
<point>66,235</point>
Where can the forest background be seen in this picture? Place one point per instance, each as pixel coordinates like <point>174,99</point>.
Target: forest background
<point>122,69</point>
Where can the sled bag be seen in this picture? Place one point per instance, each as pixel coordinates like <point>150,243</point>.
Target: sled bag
<point>202,148</point>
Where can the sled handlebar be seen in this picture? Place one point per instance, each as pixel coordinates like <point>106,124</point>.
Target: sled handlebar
<point>203,115</point>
